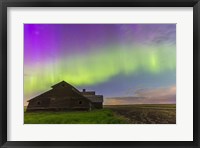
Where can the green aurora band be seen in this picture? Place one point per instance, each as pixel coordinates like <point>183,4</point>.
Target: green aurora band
<point>98,67</point>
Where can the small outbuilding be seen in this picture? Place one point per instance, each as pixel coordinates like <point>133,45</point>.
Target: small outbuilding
<point>64,96</point>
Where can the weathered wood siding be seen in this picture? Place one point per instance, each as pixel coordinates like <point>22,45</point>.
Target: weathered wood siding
<point>64,96</point>
<point>59,98</point>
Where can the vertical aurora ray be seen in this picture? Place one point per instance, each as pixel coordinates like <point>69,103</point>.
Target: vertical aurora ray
<point>92,55</point>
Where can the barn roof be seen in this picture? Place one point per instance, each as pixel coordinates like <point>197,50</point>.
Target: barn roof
<point>39,95</point>
<point>66,85</point>
<point>63,83</point>
<point>92,98</point>
<point>60,83</point>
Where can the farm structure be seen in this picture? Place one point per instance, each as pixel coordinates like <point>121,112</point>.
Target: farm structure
<point>64,96</point>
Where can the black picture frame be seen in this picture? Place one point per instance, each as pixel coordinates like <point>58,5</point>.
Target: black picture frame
<point>4,4</point>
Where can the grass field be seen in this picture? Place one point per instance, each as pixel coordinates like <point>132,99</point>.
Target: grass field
<point>118,114</point>
<point>103,116</point>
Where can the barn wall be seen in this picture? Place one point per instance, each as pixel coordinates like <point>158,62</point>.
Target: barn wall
<point>80,103</point>
<point>39,103</point>
<point>68,99</point>
<point>59,99</point>
<point>70,103</point>
<point>97,105</point>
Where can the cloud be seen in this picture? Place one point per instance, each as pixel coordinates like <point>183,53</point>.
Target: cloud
<point>156,92</point>
<point>123,100</point>
<point>150,34</point>
<point>146,96</point>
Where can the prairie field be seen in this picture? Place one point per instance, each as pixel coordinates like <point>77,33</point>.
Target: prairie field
<point>111,114</point>
<point>146,113</point>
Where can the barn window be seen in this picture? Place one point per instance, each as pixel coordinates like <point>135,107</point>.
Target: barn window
<point>38,103</point>
<point>80,102</point>
<point>63,85</point>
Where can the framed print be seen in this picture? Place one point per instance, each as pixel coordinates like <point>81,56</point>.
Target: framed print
<point>96,73</point>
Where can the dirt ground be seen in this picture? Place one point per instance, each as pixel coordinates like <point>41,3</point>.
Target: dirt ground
<point>146,114</point>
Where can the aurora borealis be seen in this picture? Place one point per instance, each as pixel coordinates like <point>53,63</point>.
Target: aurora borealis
<point>123,62</point>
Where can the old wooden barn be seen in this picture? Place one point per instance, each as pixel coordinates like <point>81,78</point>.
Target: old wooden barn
<point>64,96</point>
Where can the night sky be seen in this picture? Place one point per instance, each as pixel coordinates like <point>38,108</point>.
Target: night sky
<point>126,63</point>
